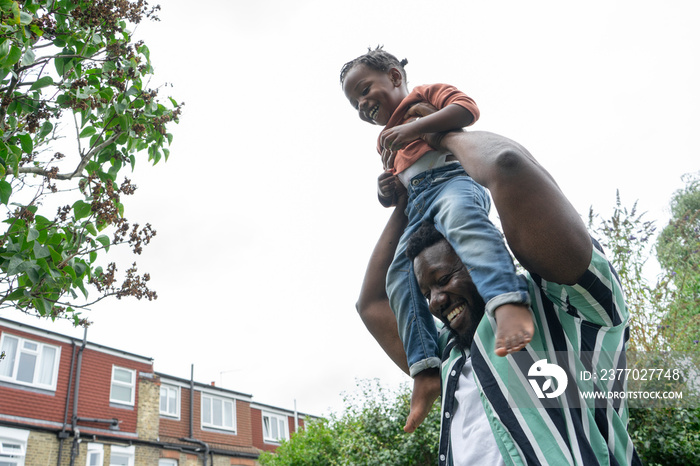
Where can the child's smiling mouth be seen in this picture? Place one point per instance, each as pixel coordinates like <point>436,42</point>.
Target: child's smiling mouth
<point>373,113</point>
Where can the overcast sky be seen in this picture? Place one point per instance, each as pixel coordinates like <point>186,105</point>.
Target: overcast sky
<point>266,211</point>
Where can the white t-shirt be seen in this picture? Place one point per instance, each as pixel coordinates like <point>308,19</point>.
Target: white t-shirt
<point>472,441</point>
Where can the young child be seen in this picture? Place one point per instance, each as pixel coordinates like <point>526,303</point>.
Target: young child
<point>441,191</point>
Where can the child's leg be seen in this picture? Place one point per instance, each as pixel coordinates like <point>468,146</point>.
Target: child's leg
<point>514,328</point>
<point>426,389</point>
<point>461,214</point>
<point>417,331</point>
<point>415,323</point>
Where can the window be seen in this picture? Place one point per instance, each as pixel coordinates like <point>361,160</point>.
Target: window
<point>167,462</point>
<point>95,454</point>
<point>121,456</point>
<point>13,446</point>
<point>169,401</point>
<point>218,413</point>
<point>29,362</point>
<point>275,427</point>
<point>123,386</point>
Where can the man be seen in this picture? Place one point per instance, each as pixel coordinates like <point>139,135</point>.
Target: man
<point>532,400</point>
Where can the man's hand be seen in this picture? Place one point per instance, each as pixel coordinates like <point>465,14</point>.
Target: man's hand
<point>420,109</point>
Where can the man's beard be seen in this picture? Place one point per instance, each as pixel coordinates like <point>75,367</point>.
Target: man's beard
<point>465,340</point>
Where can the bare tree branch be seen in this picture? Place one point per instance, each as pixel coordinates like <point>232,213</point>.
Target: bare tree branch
<point>67,176</point>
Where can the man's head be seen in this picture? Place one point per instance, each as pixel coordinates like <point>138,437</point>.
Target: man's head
<point>375,84</point>
<point>445,282</point>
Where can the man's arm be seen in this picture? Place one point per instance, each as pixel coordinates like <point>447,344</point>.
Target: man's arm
<point>373,303</point>
<point>542,228</point>
<point>373,307</point>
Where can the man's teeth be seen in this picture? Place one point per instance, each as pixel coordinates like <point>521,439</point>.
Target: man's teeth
<point>455,312</point>
<point>373,113</point>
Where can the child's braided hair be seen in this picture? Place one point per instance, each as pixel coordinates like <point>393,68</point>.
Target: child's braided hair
<point>376,59</point>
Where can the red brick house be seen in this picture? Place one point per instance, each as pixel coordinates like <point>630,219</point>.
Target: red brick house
<point>70,401</point>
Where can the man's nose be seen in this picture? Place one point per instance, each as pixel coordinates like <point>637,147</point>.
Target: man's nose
<point>438,301</point>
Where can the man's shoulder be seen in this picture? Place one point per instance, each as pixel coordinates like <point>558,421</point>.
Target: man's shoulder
<point>597,296</point>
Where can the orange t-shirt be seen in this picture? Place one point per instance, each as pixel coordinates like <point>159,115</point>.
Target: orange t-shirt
<point>438,95</point>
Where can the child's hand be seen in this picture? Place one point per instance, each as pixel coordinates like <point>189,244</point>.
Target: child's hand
<point>394,139</point>
<point>398,137</point>
<point>387,189</point>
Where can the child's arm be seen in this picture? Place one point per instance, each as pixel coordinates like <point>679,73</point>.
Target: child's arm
<point>451,117</point>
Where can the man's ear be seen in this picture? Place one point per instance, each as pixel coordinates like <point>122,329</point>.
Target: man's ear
<point>396,77</point>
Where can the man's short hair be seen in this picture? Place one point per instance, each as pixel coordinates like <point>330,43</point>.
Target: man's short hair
<point>425,236</point>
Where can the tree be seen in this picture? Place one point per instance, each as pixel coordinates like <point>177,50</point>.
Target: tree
<point>678,252</point>
<point>368,432</point>
<point>627,238</point>
<point>69,67</point>
<point>664,327</point>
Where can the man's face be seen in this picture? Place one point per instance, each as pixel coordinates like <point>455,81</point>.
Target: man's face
<point>448,287</point>
<point>374,94</point>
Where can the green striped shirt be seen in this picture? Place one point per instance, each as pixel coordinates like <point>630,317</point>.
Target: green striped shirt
<point>582,329</point>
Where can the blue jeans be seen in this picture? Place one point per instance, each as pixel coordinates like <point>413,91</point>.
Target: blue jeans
<point>459,207</point>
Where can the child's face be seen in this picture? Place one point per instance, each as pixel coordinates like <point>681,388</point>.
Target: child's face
<point>374,94</point>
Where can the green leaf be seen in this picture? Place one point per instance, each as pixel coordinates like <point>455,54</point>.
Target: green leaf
<point>32,234</point>
<point>68,270</point>
<point>87,132</point>
<point>41,82</point>
<point>25,18</point>
<point>60,64</point>
<point>41,251</point>
<point>104,240</point>
<point>80,268</point>
<point>81,209</point>
<point>12,57</point>
<point>5,192</point>
<point>119,107</point>
<point>45,130</point>
<point>16,262</point>
<point>26,142</point>
<point>17,294</point>
<point>34,275</point>
<point>90,227</point>
<point>28,57</point>
<point>42,306</point>
<point>55,256</point>
<point>4,48</point>
<point>36,30</point>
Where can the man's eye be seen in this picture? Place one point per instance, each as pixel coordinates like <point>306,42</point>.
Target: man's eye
<point>444,280</point>
<point>427,296</point>
<point>365,91</point>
